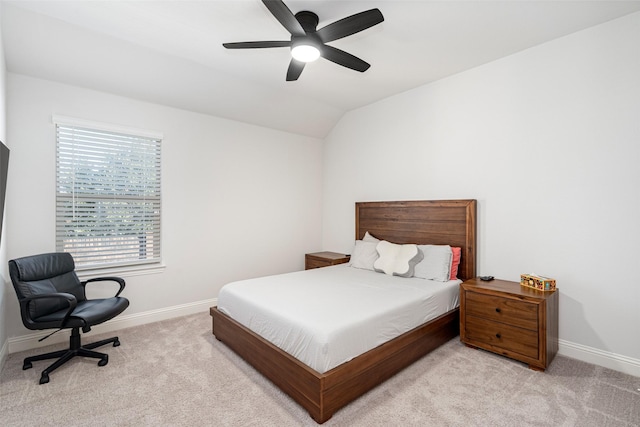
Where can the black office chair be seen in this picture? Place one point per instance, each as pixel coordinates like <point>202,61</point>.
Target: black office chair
<point>52,296</point>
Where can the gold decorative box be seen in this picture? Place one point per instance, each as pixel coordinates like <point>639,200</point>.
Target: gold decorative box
<point>538,282</point>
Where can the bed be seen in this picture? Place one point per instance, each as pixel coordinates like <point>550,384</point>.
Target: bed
<point>450,222</point>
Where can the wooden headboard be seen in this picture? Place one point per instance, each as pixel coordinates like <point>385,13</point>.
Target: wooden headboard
<point>424,222</point>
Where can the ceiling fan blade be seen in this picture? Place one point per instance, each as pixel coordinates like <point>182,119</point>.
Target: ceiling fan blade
<point>295,69</point>
<point>343,58</point>
<point>284,16</point>
<point>256,45</point>
<point>350,25</point>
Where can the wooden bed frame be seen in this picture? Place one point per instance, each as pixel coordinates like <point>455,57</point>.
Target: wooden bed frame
<point>450,222</point>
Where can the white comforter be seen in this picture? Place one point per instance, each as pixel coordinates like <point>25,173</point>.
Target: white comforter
<point>327,316</point>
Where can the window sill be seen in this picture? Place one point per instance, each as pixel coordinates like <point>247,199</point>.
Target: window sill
<point>136,270</point>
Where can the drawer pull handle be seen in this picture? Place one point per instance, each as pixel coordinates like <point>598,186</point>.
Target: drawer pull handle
<point>497,310</point>
<point>498,336</point>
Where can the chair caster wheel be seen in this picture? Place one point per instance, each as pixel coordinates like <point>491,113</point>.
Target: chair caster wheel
<point>44,378</point>
<point>103,361</point>
<point>116,343</point>
<point>27,365</point>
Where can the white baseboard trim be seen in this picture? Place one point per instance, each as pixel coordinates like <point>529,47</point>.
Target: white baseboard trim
<point>598,357</point>
<point>30,341</point>
<point>581,352</point>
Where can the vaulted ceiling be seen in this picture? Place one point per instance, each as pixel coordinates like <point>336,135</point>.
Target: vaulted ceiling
<point>170,52</point>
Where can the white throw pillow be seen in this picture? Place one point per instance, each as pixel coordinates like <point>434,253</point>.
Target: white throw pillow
<point>369,238</point>
<point>396,260</point>
<point>436,263</point>
<point>364,255</point>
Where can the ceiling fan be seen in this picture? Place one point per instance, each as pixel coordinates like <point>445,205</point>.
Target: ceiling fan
<point>307,43</point>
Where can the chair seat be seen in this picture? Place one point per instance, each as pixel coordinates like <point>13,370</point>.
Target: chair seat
<point>87,313</point>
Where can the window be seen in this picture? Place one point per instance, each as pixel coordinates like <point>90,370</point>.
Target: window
<point>107,195</point>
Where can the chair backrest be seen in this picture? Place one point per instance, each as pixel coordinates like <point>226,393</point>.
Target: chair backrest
<point>45,274</point>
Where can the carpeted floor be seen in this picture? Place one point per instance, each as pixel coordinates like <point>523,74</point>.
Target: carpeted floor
<point>175,373</point>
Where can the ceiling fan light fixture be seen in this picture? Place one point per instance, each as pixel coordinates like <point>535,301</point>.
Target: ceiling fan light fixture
<point>305,52</point>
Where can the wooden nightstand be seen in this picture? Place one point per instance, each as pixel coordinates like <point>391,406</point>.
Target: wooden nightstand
<point>510,319</point>
<point>324,259</point>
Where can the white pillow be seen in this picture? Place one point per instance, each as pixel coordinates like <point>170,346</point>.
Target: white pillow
<point>369,238</point>
<point>436,264</point>
<point>364,254</point>
<point>396,260</point>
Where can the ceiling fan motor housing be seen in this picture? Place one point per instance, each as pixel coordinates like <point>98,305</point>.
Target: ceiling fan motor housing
<point>308,20</point>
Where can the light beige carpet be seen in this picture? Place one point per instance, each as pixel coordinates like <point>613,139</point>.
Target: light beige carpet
<point>175,373</point>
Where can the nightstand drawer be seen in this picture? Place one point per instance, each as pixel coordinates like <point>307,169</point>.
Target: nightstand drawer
<point>505,310</point>
<point>316,263</point>
<point>499,336</point>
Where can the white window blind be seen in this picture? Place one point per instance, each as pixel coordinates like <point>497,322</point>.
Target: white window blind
<point>108,197</point>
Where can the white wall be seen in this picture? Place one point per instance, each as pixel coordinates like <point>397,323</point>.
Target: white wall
<point>548,141</point>
<point>4,273</point>
<point>238,200</point>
